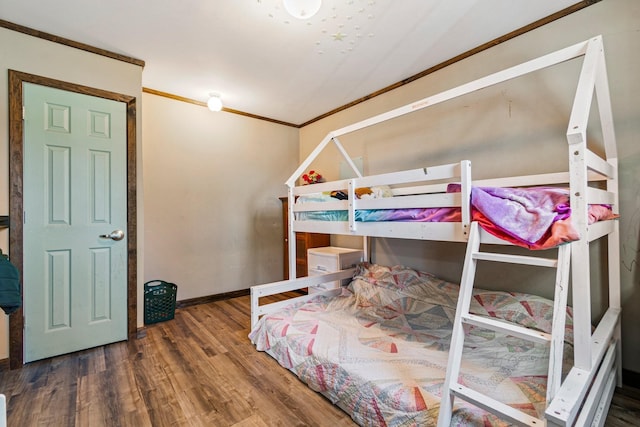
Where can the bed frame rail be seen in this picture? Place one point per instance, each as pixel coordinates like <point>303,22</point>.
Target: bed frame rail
<point>594,388</point>
<point>260,291</point>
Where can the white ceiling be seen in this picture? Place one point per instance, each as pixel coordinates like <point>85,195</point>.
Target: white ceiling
<point>263,62</point>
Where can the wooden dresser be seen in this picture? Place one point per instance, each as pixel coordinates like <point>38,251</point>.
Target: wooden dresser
<point>304,241</point>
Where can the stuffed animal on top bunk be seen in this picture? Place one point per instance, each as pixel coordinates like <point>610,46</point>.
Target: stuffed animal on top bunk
<point>312,177</point>
<point>375,192</point>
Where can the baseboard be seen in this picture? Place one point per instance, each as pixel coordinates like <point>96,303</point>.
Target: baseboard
<point>212,298</point>
<point>4,365</point>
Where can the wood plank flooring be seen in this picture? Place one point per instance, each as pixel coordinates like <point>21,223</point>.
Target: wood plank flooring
<point>625,408</point>
<point>197,370</point>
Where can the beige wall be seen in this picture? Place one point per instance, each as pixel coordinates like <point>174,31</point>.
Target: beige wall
<point>36,56</point>
<point>213,220</point>
<point>511,129</point>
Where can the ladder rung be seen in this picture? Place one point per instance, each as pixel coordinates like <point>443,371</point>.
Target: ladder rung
<point>507,328</point>
<point>516,259</point>
<point>496,407</point>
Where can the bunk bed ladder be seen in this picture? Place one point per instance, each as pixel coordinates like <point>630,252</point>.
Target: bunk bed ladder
<point>451,387</point>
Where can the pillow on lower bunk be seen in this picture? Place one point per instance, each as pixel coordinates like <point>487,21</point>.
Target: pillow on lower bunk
<point>379,286</point>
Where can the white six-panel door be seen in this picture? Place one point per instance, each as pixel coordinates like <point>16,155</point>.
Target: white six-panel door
<point>75,197</point>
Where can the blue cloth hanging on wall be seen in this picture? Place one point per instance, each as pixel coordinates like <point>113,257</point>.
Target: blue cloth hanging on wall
<point>10,298</point>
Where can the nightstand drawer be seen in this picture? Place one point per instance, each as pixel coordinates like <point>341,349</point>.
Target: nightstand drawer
<point>322,263</point>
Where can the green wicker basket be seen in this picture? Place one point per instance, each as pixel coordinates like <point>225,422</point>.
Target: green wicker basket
<point>159,301</point>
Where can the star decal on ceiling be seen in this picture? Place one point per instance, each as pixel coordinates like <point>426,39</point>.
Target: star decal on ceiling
<point>339,36</point>
<point>348,22</point>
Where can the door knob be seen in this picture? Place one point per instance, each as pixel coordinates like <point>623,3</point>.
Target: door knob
<point>114,235</point>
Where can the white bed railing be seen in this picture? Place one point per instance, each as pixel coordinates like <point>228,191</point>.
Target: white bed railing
<point>261,291</point>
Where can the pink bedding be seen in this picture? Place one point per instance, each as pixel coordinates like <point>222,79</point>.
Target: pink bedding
<point>535,218</point>
<point>379,350</point>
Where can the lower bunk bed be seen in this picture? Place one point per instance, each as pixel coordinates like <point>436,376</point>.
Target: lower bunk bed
<point>379,348</point>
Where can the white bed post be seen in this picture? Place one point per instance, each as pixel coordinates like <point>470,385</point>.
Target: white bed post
<point>291,238</point>
<point>580,268</point>
<point>613,239</point>
<point>351,201</point>
<point>365,249</point>
<point>465,188</point>
<point>255,306</point>
<point>613,247</point>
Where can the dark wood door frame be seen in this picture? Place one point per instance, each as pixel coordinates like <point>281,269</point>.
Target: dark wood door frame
<point>16,202</point>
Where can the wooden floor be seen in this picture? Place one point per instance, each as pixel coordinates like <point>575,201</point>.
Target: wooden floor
<point>196,370</point>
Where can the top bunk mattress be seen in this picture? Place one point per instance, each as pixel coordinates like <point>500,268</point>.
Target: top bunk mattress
<point>532,217</point>
<point>379,350</point>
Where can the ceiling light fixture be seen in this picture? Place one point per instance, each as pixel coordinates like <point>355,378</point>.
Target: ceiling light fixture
<point>302,9</point>
<point>214,103</point>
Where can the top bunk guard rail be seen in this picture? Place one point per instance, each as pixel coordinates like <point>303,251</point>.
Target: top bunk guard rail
<point>422,196</point>
<point>410,189</point>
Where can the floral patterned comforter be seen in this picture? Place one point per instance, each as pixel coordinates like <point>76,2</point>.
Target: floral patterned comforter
<point>380,349</point>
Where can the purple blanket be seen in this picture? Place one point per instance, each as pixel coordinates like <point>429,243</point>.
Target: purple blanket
<point>526,213</point>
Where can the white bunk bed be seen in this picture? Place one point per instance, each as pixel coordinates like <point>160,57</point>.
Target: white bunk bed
<point>580,394</point>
